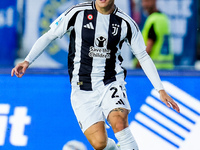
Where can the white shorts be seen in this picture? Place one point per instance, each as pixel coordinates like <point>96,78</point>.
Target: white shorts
<point>91,107</point>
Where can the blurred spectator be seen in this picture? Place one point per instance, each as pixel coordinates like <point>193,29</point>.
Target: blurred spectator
<point>135,11</point>
<point>156,34</point>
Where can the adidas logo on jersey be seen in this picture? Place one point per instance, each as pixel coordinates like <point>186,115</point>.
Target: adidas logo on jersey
<point>120,102</point>
<point>89,26</point>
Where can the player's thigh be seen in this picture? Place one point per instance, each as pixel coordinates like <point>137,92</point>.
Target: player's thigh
<point>118,119</point>
<point>97,135</point>
<point>115,102</point>
<point>116,106</point>
<point>86,108</point>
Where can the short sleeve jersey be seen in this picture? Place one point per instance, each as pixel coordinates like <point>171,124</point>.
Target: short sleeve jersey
<point>95,43</point>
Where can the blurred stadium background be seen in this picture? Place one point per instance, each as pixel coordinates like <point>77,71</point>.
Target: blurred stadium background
<point>35,111</point>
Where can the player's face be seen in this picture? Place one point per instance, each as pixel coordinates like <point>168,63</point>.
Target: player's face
<point>149,5</point>
<point>105,6</point>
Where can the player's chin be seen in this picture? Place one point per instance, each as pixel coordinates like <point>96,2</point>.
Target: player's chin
<point>101,2</point>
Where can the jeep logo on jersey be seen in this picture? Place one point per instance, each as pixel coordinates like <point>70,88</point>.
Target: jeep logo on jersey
<point>101,41</point>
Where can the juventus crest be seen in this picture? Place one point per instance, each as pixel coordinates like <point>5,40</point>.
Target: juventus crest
<point>115,29</point>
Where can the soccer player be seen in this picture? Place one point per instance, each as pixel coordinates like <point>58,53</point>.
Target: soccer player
<point>97,31</point>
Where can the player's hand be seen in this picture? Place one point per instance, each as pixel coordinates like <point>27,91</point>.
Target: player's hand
<point>165,98</point>
<point>20,69</point>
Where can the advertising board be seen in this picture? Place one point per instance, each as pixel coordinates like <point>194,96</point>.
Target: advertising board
<point>36,113</point>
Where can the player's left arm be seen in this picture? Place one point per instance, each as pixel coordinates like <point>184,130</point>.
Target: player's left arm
<point>139,50</point>
<point>152,73</point>
<point>165,98</point>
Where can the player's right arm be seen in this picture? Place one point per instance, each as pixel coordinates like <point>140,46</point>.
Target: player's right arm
<point>35,52</point>
<point>20,69</point>
<point>57,29</point>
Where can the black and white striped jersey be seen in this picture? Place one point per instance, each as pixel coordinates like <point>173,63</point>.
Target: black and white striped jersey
<point>95,43</point>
